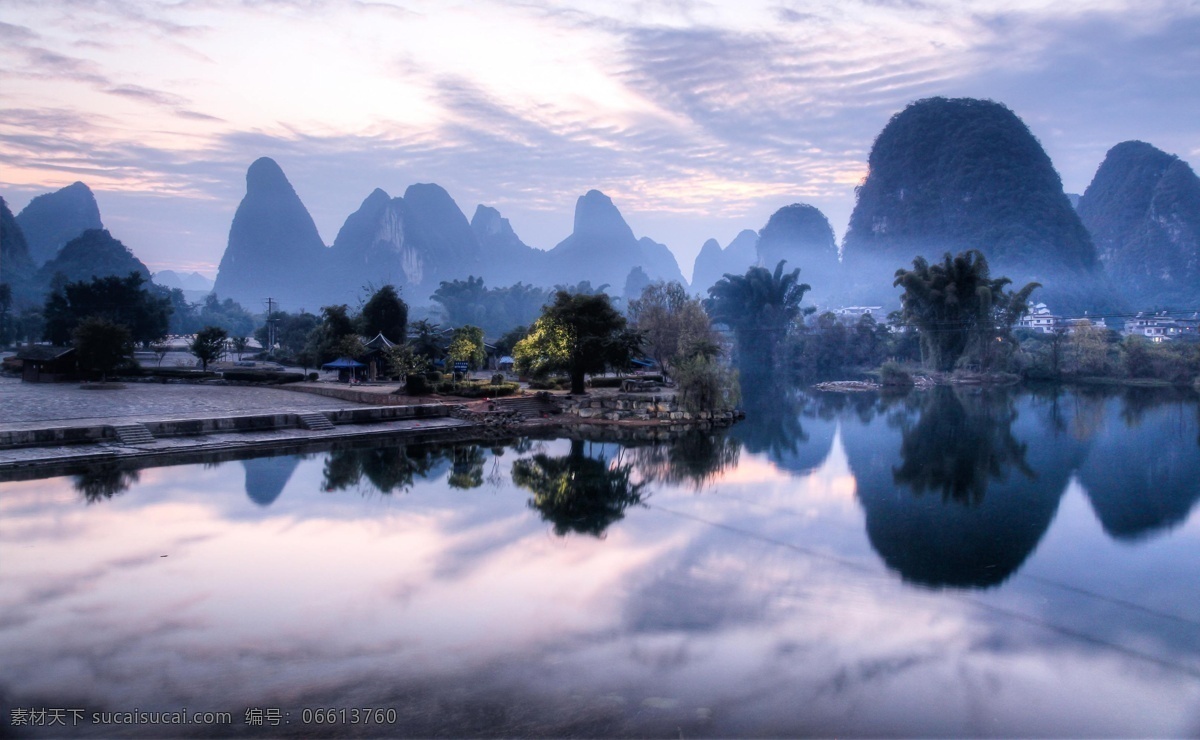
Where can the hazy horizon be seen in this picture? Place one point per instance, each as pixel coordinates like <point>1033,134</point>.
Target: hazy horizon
<point>698,119</point>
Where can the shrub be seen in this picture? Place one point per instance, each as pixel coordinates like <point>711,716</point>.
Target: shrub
<point>705,385</point>
<point>550,384</point>
<point>312,377</point>
<point>481,390</point>
<point>893,375</point>
<point>433,376</point>
<point>262,376</point>
<point>606,381</point>
<point>417,385</point>
<point>498,379</point>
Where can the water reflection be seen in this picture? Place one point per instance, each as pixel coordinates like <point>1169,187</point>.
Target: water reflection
<point>1142,475</point>
<point>267,476</point>
<point>699,614</point>
<point>103,481</point>
<point>386,469</point>
<point>791,428</point>
<point>959,444</point>
<point>1000,486</point>
<point>696,458</point>
<point>576,492</point>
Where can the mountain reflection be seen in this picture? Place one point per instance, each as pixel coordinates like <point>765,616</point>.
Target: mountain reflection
<point>266,477</point>
<point>1143,473</point>
<point>999,489</point>
<point>785,425</point>
<point>575,492</point>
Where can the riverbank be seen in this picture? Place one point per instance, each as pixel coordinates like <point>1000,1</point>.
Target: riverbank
<point>63,425</point>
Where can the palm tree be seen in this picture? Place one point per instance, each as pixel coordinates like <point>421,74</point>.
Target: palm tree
<point>759,307</point>
<point>958,308</point>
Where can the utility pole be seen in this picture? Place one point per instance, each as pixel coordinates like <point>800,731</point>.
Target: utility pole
<point>270,327</point>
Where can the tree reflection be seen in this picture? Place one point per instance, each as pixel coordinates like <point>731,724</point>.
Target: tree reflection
<point>466,471</point>
<point>104,481</point>
<point>386,469</point>
<point>694,458</point>
<point>999,493</point>
<point>577,493</point>
<point>772,424</point>
<point>959,445</point>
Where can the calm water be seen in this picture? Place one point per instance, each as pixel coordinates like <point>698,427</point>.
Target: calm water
<point>950,563</point>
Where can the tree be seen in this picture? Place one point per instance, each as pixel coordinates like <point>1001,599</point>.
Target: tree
<point>123,301</point>
<point>326,341</point>
<point>704,384</point>
<point>674,325</point>
<point>207,345</point>
<point>958,308</point>
<point>239,345</point>
<point>101,345</point>
<point>6,323</point>
<point>385,313</point>
<point>467,346</point>
<point>759,306</point>
<point>425,338</point>
<point>578,334</point>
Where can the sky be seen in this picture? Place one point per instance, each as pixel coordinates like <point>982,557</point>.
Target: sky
<point>699,119</point>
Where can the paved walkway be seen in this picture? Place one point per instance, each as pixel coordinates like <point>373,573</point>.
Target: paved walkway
<point>29,405</point>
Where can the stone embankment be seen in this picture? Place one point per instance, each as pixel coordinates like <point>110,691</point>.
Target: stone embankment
<point>656,407</point>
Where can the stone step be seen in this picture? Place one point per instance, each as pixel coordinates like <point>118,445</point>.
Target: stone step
<point>315,421</point>
<point>133,434</point>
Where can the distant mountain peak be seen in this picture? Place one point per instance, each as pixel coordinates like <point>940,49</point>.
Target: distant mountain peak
<point>53,219</point>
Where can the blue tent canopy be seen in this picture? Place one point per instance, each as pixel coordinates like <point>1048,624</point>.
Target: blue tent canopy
<point>342,362</point>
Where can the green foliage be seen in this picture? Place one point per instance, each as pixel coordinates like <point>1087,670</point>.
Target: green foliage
<point>892,374</point>
<point>673,325</point>
<point>291,336</point>
<point>330,338</point>
<point>1173,362</point>
<point>385,313</point>
<point>706,385</point>
<point>188,318</point>
<point>466,345</point>
<point>125,301</point>
<point>266,377</point>
<point>102,346</point>
<point>6,318</point>
<point>959,309</point>
<point>495,310</point>
<point>826,345</point>
<point>506,343</point>
<point>94,253</point>
<point>577,334</point>
<point>417,385</point>
<point>479,390</point>
<point>207,345</point>
<point>425,338</point>
<point>403,362</point>
<point>759,306</point>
